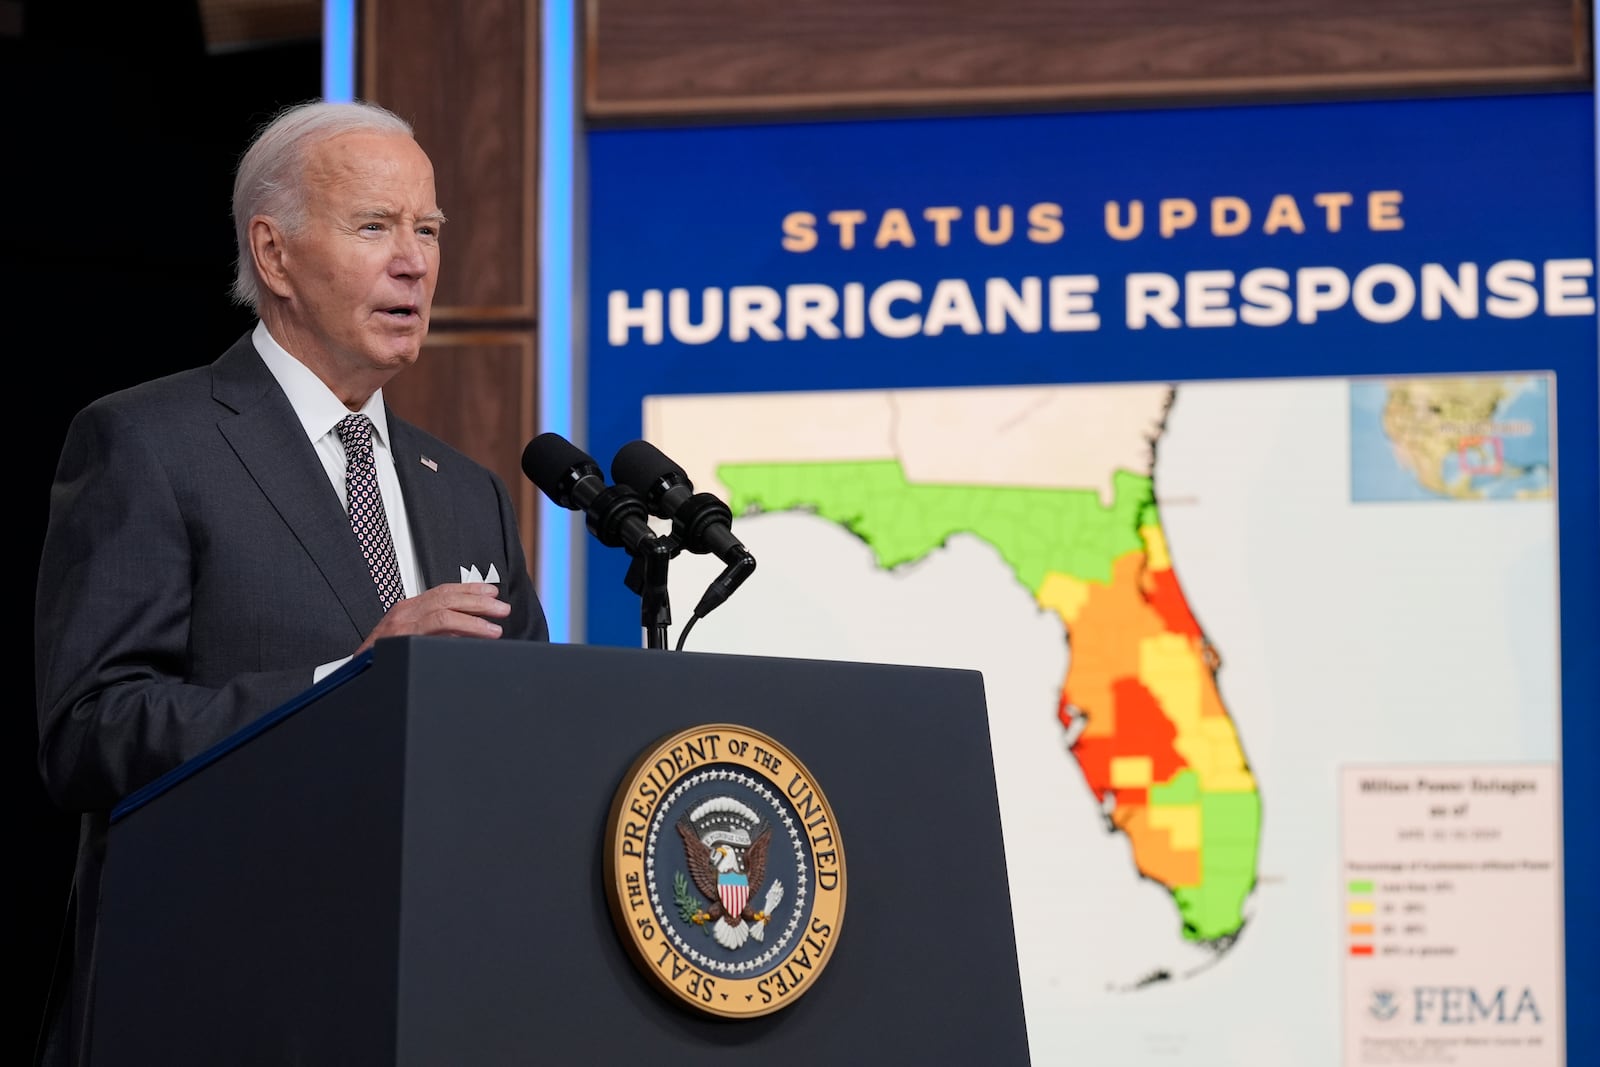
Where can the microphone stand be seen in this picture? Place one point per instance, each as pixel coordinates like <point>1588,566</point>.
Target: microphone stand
<point>647,577</point>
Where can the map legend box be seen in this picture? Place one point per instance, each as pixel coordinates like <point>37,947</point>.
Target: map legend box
<point>1452,922</point>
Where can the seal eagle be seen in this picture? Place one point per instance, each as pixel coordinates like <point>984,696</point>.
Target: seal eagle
<point>728,866</point>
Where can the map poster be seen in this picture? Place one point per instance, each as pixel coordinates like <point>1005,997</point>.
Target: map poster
<point>1235,447</point>
<point>1167,709</point>
<point>1450,921</point>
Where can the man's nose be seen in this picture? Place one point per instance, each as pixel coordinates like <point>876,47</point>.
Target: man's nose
<point>410,258</point>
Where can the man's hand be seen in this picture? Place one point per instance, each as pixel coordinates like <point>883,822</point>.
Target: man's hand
<point>456,609</point>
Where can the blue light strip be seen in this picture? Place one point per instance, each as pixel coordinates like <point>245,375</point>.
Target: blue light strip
<point>339,50</point>
<point>556,126</point>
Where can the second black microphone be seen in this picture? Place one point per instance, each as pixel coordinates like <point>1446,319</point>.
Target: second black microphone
<point>700,522</point>
<point>569,476</point>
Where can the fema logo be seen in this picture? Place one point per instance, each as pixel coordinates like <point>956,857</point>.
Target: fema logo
<point>725,871</point>
<point>1385,1005</point>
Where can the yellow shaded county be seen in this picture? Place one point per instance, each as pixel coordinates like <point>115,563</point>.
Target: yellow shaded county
<point>1132,772</point>
<point>1180,821</point>
<point>1218,759</point>
<point>1064,595</point>
<point>1155,547</point>
<point>1154,855</point>
<point>1171,668</point>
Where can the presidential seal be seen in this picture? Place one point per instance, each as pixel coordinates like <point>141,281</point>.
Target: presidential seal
<point>724,870</point>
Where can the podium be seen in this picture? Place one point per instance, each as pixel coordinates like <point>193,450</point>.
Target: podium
<point>405,866</point>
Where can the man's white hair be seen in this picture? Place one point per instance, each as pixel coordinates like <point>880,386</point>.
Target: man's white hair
<point>271,175</point>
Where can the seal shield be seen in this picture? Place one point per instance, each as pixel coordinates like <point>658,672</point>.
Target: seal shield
<point>725,870</point>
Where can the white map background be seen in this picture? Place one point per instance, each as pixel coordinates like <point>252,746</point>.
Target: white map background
<point>1349,633</point>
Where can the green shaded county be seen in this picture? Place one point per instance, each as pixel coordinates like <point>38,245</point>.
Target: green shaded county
<point>1036,531</point>
<point>1230,827</point>
<point>1181,789</point>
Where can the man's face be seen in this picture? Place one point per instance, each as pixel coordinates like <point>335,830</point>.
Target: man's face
<point>364,266</point>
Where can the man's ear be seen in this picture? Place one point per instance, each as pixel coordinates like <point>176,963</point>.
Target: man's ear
<point>271,255</point>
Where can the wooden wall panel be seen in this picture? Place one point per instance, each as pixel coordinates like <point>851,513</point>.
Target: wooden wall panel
<point>710,57</point>
<point>251,23</point>
<point>471,389</point>
<point>467,76</point>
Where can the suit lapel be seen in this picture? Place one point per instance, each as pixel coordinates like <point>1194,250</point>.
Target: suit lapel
<point>429,505</point>
<point>271,443</point>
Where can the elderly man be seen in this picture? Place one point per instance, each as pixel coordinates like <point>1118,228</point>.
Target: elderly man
<point>222,538</point>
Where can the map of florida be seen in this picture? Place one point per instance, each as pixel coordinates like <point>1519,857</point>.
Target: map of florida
<point>1140,700</point>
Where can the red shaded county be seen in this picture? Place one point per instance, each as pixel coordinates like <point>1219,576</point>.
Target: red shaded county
<point>1142,730</point>
<point>1166,597</point>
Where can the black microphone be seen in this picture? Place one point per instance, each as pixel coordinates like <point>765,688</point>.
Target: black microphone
<point>568,475</point>
<point>700,522</point>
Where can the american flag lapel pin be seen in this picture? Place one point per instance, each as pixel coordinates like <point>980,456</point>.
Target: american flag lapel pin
<point>430,464</point>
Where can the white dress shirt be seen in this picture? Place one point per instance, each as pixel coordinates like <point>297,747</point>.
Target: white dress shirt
<point>320,411</point>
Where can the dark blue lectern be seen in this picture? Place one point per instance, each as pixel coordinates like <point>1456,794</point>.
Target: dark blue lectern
<point>405,868</point>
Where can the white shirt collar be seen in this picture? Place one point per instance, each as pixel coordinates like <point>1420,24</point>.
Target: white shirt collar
<point>318,409</point>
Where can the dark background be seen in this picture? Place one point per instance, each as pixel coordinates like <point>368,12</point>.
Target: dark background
<point>119,131</point>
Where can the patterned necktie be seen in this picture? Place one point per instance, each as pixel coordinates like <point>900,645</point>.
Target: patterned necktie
<point>367,517</point>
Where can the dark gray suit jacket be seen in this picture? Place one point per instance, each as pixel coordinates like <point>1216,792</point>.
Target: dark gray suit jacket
<point>197,568</point>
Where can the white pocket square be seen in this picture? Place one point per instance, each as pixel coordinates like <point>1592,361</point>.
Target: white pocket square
<point>471,574</point>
